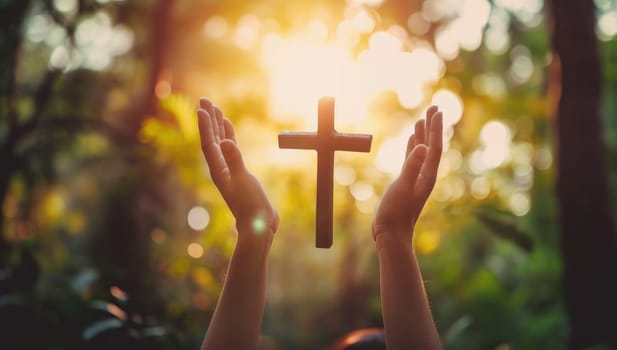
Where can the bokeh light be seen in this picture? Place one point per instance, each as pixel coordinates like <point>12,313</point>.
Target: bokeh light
<point>304,67</point>
<point>259,225</point>
<point>450,104</point>
<point>266,64</point>
<point>519,204</point>
<point>495,138</point>
<point>427,241</point>
<point>158,236</point>
<point>195,250</point>
<point>480,188</point>
<point>607,25</point>
<point>198,218</point>
<point>361,191</point>
<point>344,175</point>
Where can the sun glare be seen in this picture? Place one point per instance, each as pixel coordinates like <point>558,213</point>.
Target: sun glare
<point>305,66</point>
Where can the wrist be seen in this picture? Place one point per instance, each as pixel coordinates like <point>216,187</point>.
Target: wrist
<point>387,241</point>
<point>258,226</point>
<point>254,244</point>
<point>247,236</point>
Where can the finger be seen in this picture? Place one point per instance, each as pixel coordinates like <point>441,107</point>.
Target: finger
<point>229,130</point>
<point>419,132</point>
<point>426,182</point>
<point>233,157</point>
<point>435,146</point>
<point>219,121</point>
<point>210,149</point>
<point>205,128</point>
<point>209,107</point>
<point>429,117</point>
<point>411,143</point>
<point>413,164</point>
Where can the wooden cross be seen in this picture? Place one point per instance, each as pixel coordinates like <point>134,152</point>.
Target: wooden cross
<point>325,141</point>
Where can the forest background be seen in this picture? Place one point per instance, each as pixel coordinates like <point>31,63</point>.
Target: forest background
<point>113,234</point>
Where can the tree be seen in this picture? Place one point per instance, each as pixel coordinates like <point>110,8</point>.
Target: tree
<point>588,234</point>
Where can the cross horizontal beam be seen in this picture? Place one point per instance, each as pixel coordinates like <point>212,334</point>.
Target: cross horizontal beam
<point>335,142</point>
<point>325,141</point>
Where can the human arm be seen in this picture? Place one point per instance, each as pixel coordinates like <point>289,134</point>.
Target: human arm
<point>408,322</point>
<point>236,322</point>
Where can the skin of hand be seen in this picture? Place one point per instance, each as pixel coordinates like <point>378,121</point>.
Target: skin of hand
<point>236,322</point>
<point>407,318</point>
<point>404,199</point>
<point>242,192</point>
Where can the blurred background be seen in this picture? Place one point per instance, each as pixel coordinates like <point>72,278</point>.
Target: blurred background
<point>114,236</point>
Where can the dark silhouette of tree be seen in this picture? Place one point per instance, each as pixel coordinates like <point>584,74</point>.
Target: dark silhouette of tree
<point>16,129</point>
<point>127,247</point>
<point>588,234</point>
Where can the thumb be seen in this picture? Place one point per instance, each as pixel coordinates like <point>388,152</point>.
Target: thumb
<point>413,164</point>
<point>232,156</point>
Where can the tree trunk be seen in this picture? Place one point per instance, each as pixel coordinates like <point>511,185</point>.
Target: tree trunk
<point>160,34</point>
<point>588,234</point>
<point>12,15</point>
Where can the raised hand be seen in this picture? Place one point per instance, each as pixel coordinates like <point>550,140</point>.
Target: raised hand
<point>241,191</point>
<point>404,199</point>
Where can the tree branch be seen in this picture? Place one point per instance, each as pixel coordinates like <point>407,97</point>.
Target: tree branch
<point>41,99</point>
<point>12,15</point>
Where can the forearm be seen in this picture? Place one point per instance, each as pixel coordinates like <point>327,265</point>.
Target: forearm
<point>407,318</point>
<point>236,323</point>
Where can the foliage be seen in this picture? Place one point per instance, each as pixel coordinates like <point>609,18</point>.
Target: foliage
<point>109,192</point>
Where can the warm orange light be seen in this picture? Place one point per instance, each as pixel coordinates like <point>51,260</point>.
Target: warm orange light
<point>195,250</point>
<point>162,89</point>
<point>116,311</point>
<point>118,293</point>
<point>307,65</point>
<point>158,236</point>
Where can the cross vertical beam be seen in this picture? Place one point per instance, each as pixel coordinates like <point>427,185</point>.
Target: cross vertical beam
<point>325,173</point>
<point>325,141</point>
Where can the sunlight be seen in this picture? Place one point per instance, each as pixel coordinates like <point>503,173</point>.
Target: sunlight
<point>215,27</point>
<point>344,175</point>
<point>391,154</point>
<point>247,32</point>
<point>306,66</point>
<point>450,104</point>
<point>495,137</point>
<point>363,22</point>
<point>497,33</point>
<point>300,73</point>
<point>374,3</point>
<point>361,191</point>
<point>495,148</point>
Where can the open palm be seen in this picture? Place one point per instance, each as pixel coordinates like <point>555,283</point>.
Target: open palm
<point>241,191</point>
<point>404,199</point>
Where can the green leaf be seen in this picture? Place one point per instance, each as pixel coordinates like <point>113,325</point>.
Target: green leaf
<point>504,227</point>
<point>100,327</point>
